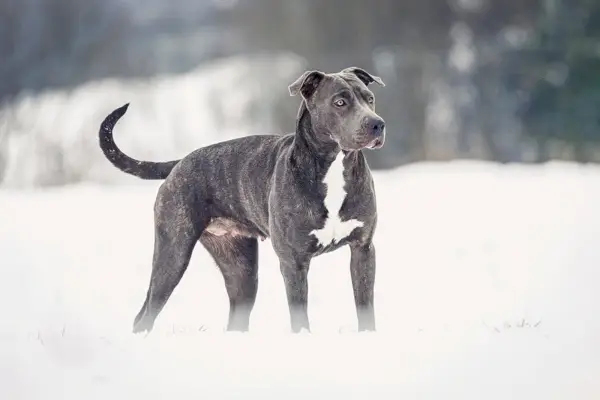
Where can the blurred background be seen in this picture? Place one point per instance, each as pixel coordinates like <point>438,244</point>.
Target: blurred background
<point>504,80</point>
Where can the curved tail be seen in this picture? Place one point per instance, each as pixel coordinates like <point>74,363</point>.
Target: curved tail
<point>141,169</point>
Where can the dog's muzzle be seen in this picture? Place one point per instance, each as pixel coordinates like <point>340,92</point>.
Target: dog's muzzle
<point>376,129</point>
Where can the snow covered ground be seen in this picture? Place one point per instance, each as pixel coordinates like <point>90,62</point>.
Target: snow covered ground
<point>486,289</point>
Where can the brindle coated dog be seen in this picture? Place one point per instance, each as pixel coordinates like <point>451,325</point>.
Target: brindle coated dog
<point>310,192</point>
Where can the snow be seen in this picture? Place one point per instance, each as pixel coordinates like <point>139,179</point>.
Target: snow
<point>486,288</point>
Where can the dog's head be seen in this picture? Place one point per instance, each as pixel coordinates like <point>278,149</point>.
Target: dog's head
<point>342,106</point>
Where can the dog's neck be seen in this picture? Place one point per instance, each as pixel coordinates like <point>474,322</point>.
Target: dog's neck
<point>310,144</point>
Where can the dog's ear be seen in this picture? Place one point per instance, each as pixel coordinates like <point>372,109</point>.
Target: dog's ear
<point>363,75</point>
<point>306,84</point>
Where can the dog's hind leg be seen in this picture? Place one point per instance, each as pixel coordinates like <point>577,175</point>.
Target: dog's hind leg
<point>237,258</point>
<point>171,258</point>
<point>176,233</point>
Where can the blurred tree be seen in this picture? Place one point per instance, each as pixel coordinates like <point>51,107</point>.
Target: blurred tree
<point>564,101</point>
<point>418,40</point>
<point>498,80</point>
<point>58,42</point>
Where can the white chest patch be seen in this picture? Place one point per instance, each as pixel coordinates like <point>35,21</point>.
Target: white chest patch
<point>334,228</point>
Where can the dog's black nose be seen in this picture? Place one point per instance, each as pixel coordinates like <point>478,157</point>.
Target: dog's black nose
<point>377,126</point>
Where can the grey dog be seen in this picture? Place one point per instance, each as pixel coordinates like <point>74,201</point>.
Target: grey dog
<point>310,192</point>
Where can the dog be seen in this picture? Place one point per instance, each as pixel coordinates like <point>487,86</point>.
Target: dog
<point>310,192</point>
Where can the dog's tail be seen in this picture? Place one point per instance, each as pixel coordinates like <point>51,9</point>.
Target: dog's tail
<point>141,169</point>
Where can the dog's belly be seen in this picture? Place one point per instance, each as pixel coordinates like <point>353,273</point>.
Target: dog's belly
<point>226,227</point>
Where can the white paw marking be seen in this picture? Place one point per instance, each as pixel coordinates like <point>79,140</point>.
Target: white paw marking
<point>334,228</point>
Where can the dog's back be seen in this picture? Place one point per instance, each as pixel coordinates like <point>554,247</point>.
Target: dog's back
<point>245,147</point>
<point>232,179</point>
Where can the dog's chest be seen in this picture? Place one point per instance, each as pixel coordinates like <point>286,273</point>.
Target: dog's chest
<point>335,229</point>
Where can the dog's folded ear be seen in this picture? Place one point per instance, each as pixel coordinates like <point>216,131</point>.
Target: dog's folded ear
<point>306,84</point>
<point>363,75</point>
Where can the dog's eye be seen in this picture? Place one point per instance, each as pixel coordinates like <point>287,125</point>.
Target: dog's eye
<point>340,102</point>
<point>371,99</point>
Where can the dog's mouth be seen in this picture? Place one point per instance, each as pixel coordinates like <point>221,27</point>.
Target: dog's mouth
<point>374,144</point>
<point>371,144</point>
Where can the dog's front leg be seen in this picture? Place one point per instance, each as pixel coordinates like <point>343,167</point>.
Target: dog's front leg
<point>362,269</point>
<point>295,277</point>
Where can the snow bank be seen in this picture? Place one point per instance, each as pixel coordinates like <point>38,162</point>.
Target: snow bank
<point>487,288</point>
<point>51,138</point>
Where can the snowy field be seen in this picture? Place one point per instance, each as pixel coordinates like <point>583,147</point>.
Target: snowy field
<point>487,288</point>
<point>486,283</point>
